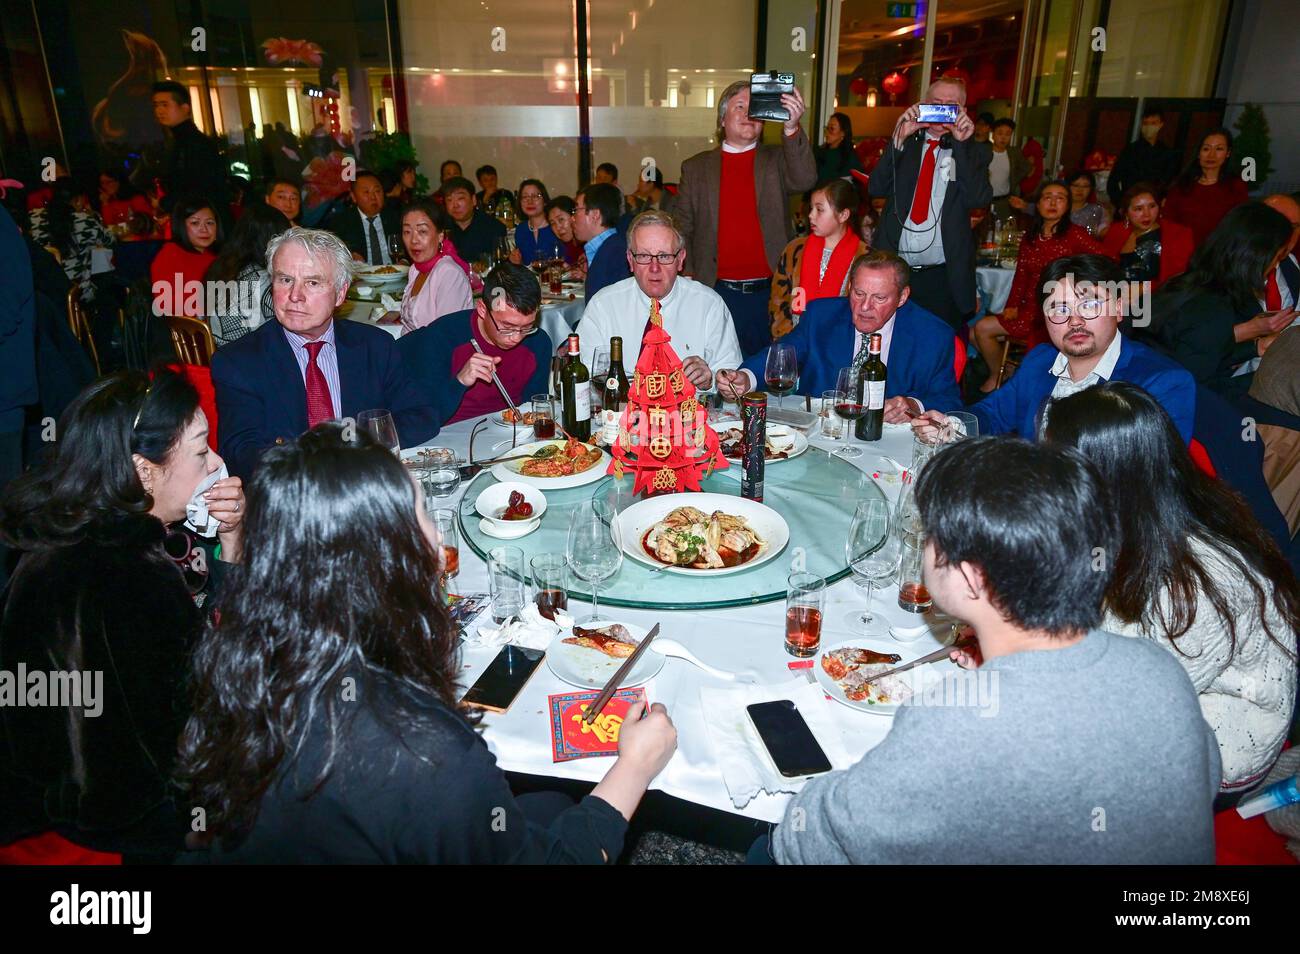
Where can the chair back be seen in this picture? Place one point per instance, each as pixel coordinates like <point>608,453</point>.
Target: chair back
<point>192,339</point>
<point>79,322</point>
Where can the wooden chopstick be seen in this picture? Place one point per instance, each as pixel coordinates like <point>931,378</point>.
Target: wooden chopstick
<point>611,687</point>
<point>500,387</point>
<point>935,656</point>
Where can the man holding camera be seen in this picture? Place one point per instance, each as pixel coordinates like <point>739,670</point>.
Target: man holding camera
<point>933,175</point>
<point>733,208</point>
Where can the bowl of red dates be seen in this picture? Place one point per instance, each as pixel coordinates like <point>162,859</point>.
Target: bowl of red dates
<point>511,503</point>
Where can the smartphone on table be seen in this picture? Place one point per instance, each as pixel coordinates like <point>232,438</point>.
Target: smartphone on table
<point>504,678</point>
<point>788,739</point>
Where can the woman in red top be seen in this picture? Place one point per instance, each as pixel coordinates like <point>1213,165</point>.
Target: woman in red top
<point>1207,189</point>
<point>177,271</point>
<point>1054,236</point>
<point>1148,249</point>
<point>118,202</point>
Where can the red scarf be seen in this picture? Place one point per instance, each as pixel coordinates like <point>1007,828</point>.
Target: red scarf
<point>836,271</point>
<point>447,250</point>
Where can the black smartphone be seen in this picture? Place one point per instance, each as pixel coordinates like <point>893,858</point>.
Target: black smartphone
<point>503,679</point>
<point>788,739</point>
<point>937,113</point>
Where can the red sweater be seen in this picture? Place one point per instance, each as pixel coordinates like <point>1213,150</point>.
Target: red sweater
<point>741,253</point>
<point>172,260</point>
<point>1202,207</point>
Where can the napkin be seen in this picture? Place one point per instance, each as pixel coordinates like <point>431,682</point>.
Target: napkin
<point>390,303</point>
<point>196,511</point>
<point>746,767</point>
<point>530,629</point>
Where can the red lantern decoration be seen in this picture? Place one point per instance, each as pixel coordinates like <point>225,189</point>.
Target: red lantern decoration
<point>859,86</point>
<point>895,84</point>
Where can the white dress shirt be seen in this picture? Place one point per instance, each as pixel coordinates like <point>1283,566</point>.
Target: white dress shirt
<point>921,243</point>
<point>694,316</point>
<point>1000,172</point>
<point>1065,385</point>
<point>1287,294</point>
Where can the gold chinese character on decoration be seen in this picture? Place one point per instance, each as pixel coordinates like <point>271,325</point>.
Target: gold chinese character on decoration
<point>689,408</point>
<point>656,384</point>
<point>665,479</point>
<point>678,381</point>
<point>661,446</point>
<point>658,418</point>
<point>636,380</point>
<point>604,727</point>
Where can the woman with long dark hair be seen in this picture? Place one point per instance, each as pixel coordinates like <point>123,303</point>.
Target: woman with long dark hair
<point>1085,210</point>
<point>835,156</point>
<point>1212,318</point>
<point>559,215</point>
<point>243,261</point>
<point>326,726</point>
<point>438,282</point>
<point>1148,249</point>
<point>1208,188</point>
<point>1195,572</point>
<point>1052,236</point>
<point>110,586</point>
<point>69,225</point>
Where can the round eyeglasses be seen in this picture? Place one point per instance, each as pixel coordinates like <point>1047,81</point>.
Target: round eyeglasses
<point>1059,312</point>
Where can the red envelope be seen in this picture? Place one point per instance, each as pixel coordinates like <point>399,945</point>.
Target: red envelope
<point>571,738</point>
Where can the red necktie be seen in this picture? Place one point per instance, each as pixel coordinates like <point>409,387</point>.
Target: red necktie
<point>320,406</point>
<point>924,185</point>
<point>1272,294</point>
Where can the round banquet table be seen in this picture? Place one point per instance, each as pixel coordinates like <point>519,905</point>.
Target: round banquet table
<point>560,314</point>
<point>734,622</point>
<point>994,284</point>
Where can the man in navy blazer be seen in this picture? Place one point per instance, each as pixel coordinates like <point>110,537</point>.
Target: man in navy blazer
<point>305,367</point>
<point>595,221</point>
<point>917,348</point>
<point>1082,298</point>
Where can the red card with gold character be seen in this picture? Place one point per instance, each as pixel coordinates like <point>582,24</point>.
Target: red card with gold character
<point>571,738</point>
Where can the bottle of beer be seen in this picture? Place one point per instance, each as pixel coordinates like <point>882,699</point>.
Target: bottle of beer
<point>575,392</point>
<point>615,388</point>
<point>872,379</point>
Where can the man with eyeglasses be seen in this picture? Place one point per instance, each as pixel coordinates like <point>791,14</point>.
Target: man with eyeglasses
<point>1083,302</point>
<point>455,376</point>
<point>595,219</point>
<point>694,315</point>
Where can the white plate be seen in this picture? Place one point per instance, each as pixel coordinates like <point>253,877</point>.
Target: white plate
<point>507,471</point>
<point>371,274</point>
<point>912,678</point>
<point>497,418</point>
<point>779,434</point>
<point>641,516</point>
<point>494,498</point>
<point>504,531</point>
<point>591,669</point>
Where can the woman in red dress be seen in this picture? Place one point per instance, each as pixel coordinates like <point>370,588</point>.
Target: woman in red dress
<point>1053,236</point>
<point>1148,249</point>
<point>182,264</point>
<point>1207,189</point>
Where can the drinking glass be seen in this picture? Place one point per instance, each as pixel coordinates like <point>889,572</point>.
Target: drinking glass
<point>396,249</point>
<point>506,582</point>
<point>912,594</point>
<point>444,521</point>
<point>872,553</point>
<point>803,613</point>
<point>595,547</point>
<point>381,426</point>
<point>543,417</point>
<point>832,423</point>
<point>599,372</point>
<point>850,405</point>
<point>549,592</point>
<point>960,426</point>
<point>444,475</point>
<point>782,370</point>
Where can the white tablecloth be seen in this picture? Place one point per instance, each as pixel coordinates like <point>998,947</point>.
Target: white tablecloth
<point>994,285</point>
<point>731,639</point>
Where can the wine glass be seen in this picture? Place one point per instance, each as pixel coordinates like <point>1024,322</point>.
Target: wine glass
<point>381,426</point>
<point>396,248</point>
<point>850,406</point>
<point>599,372</point>
<point>872,553</point>
<point>782,370</point>
<point>595,547</point>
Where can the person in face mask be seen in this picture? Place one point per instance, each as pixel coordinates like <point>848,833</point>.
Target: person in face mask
<point>1145,159</point>
<point>103,609</point>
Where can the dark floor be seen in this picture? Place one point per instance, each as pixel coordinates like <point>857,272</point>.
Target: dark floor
<point>659,848</point>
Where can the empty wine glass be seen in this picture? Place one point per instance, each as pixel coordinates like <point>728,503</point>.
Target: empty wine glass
<point>381,426</point>
<point>595,547</point>
<point>850,406</point>
<point>872,553</point>
<point>782,370</point>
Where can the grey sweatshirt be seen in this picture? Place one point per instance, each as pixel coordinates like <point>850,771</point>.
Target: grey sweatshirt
<point>1092,754</point>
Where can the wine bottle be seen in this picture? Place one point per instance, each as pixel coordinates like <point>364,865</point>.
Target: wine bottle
<point>575,391</point>
<point>615,388</point>
<point>870,425</point>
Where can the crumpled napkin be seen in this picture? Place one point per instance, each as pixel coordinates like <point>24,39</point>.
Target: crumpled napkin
<point>196,511</point>
<point>746,767</point>
<point>530,629</point>
<point>390,303</point>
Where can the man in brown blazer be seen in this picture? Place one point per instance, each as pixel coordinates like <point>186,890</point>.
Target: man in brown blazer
<point>733,207</point>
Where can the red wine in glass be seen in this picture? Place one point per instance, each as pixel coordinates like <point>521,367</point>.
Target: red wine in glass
<point>914,597</point>
<point>851,410</point>
<point>781,386</point>
<point>803,630</point>
<point>548,601</point>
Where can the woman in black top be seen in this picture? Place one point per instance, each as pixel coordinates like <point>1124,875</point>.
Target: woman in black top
<point>835,156</point>
<point>326,726</point>
<point>99,594</point>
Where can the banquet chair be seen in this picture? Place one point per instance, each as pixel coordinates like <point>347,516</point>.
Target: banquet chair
<point>192,339</point>
<point>79,322</point>
<point>1013,352</point>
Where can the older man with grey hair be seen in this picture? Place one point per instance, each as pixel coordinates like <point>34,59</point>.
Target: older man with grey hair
<point>694,315</point>
<point>733,207</point>
<point>304,368</point>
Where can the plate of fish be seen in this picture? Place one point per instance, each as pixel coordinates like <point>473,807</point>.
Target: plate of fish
<point>696,534</point>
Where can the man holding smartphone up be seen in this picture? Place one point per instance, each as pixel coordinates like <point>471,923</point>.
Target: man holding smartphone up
<point>733,208</point>
<point>931,178</point>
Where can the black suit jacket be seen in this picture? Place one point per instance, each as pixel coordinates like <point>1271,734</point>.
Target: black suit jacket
<point>262,400</point>
<point>1197,332</point>
<point>894,178</point>
<point>347,225</point>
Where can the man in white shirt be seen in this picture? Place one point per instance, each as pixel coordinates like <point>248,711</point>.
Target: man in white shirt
<point>694,315</point>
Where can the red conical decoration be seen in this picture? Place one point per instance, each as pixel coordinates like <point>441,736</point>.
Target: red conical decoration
<point>664,435</point>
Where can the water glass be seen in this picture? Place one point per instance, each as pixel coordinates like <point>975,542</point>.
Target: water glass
<point>912,593</point>
<point>382,428</point>
<point>804,596</point>
<point>549,579</point>
<point>506,582</point>
<point>443,473</point>
<point>832,423</point>
<point>444,521</point>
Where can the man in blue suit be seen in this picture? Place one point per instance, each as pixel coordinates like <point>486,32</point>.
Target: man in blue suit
<point>303,368</point>
<point>917,347</point>
<point>595,218</point>
<point>1082,298</point>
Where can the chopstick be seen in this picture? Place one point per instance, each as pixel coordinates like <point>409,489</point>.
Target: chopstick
<point>935,656</point>
<point>500,387</point>
<point>611,687</point>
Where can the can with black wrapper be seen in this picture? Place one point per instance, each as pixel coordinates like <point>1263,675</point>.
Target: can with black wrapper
<point>753,424</point>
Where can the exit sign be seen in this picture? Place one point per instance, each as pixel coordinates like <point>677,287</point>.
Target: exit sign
<point>901,11</point>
